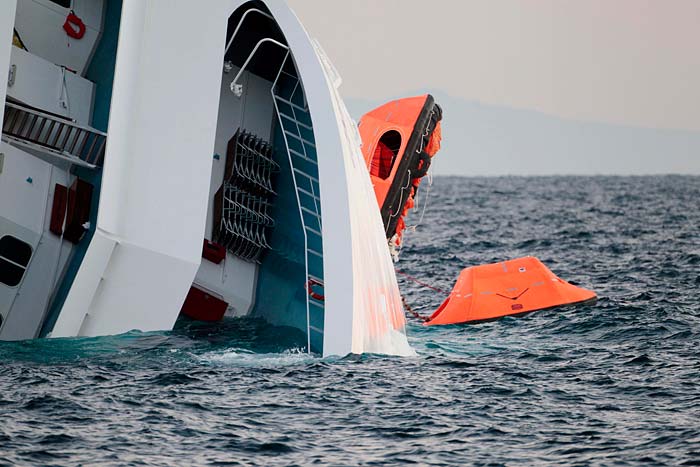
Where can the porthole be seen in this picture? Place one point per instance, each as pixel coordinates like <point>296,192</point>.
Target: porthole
<point>14,259</point>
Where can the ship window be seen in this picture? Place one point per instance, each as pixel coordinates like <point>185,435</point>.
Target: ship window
<point>14,259</point>
<point>63,3</point>
<point>15,250</point>
<point>385,154</point>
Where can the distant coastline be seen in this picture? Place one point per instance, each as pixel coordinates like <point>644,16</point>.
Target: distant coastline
<point>489,140</point>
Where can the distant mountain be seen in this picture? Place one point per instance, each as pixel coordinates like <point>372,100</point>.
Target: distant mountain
<point>481,139</point>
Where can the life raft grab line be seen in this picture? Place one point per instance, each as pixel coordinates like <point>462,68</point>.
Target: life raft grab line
<point>412,228</point>
<point>394,214</point>
<point>426,165</point>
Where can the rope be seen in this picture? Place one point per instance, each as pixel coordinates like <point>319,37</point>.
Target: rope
<point>413,228</point>
<point>413,279</point>
<point>391,216</point>
<point>63,99</point>
<point>427,132</point>
<point>415,314</point>
<point>410,182</point>
<point>408,308</point>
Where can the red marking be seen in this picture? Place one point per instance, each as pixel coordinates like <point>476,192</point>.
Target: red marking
<point>78,210</point>
<point>74,26</point>
<point>213,252</point>
<point>58,209</point>
<point>202,306</point>
<point>309,289</point>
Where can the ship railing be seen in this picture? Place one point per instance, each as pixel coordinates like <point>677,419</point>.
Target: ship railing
<point>240,24</point>
<point>236,88</point>
<point>295,122</point>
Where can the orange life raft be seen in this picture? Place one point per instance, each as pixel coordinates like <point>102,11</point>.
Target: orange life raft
<point>512,287</point>
<point>398,141</point>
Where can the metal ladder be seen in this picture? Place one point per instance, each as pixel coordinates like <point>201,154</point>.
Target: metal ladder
<point>297,131</point>
<point>52,135</point>
<point>295,124</point>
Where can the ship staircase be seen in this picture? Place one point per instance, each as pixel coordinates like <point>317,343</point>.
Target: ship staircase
<point>297,131</point>
<point>52,136</point>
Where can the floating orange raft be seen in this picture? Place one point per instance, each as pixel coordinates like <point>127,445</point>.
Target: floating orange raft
<point>399,140</point>
<point>512,287</point>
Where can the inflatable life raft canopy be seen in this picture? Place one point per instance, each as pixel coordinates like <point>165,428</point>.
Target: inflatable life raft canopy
<point>399,140</point>
<point>514,287</point>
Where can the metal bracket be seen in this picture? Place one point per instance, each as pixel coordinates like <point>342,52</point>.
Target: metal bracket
<point>237,88</point>
<point>11,75</point>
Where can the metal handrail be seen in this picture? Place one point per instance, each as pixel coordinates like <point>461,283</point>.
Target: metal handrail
<point>306,230</point>
<point>240,23</point>
<point>236,88</point>
<point>296,193</point>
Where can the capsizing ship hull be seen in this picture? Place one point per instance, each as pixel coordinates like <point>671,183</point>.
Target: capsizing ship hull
<point>232,137</point>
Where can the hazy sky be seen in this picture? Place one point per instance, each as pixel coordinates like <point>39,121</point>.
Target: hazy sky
<point>633,62</point>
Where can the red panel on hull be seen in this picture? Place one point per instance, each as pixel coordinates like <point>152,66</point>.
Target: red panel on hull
<point>202,306</point>
<point>58,209</point>
<point>78,210</point>
<point>213,252</point>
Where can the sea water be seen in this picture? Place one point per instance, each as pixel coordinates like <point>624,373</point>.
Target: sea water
<point>615,383</point>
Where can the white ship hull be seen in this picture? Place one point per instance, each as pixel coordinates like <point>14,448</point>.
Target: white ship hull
<point>170,116</point>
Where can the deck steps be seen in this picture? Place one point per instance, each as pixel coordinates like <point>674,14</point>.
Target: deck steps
<point>52,135</point>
